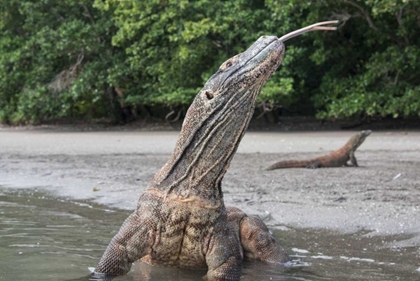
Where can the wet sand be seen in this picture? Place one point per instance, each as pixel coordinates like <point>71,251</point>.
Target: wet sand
<point>381,197</point>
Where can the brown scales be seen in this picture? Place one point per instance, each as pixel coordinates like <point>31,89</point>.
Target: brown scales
<point>336,158</point>
<point>181,219</point>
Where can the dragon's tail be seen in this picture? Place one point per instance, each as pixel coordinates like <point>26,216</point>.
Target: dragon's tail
<point>288,164</point>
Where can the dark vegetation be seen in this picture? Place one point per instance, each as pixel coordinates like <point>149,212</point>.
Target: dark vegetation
<point>124,60</point>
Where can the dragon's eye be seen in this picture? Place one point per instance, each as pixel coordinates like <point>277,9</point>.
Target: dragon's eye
<point>228,63</point>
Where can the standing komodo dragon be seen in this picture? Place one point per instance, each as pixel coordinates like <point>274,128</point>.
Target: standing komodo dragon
<point>336,158</point>
<point>181,219</point>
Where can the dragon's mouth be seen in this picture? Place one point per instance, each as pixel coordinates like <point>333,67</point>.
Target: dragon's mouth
<point>265,55</point>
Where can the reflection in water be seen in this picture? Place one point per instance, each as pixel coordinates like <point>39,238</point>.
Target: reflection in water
<point>45,238</point>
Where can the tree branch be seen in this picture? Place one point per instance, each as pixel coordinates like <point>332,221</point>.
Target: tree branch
<point>342,16</point>
<point>92,20</point>
<point>364,12</point>
<point>88,14</point>
<point>396,77</point>
<point>399,16</point>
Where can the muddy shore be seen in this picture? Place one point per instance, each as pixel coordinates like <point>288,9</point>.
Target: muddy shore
<point>381,197</point>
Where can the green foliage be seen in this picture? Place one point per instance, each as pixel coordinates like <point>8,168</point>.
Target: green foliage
<point>47,48</point>
<point>376,73</point>
<point>175,46</point>
<point>61,59</point>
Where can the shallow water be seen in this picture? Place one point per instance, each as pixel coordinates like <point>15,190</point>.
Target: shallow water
<point>45,238</point>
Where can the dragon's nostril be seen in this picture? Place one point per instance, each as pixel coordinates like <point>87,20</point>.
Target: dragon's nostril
<point>209,95</point>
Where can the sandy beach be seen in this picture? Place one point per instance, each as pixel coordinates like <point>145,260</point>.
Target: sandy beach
<point>381,197</point>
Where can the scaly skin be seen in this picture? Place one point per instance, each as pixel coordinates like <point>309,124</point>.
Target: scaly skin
<point>336,158</point>
<point>181,219</point>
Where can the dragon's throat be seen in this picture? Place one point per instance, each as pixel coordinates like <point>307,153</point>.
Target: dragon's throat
<point>197,168</point>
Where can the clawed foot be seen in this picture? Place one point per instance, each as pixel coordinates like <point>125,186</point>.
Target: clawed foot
<point>96,276</point>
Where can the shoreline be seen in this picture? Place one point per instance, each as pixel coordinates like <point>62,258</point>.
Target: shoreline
<point>113,168</point>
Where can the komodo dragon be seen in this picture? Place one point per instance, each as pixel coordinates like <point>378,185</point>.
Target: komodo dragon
<point>181,219</point>
<point>336,158</point>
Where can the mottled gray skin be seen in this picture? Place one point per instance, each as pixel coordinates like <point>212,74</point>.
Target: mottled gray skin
<point>181,219</point>
<point>337,158</point>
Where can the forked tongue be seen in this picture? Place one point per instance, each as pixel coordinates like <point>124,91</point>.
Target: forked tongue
<point>313,27</point>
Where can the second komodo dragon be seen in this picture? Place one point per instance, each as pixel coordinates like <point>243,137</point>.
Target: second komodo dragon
<point>336,158</point>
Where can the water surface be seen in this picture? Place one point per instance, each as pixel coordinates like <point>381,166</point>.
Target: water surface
<point>45,238</point>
